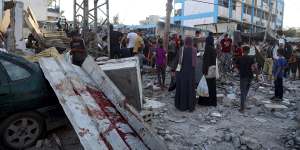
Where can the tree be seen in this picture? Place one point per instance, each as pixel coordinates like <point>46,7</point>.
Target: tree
<point>116,19</point>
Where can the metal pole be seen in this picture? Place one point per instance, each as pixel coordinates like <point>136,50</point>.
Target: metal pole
<point>74,14</point>
<point>85,17</point>
<point>95,15</point>
<point>108,28</point>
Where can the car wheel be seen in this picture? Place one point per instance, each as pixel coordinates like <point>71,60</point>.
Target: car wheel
<point>22,130</point>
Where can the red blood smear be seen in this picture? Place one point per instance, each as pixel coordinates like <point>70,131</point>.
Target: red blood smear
<point>114,117</point>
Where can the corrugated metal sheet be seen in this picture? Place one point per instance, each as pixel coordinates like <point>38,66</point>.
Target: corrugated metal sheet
<point>98,111</point>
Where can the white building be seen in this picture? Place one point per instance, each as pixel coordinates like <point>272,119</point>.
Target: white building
<point>251,14</point>
<point>43,11</point>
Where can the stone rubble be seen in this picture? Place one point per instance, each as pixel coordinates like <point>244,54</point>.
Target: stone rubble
<point>266,125</point>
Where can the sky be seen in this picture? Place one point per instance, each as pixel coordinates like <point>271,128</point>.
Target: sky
<point>132,11</point>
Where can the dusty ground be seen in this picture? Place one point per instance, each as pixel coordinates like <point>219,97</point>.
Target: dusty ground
<point>224,127</point>
<point>213,128</point>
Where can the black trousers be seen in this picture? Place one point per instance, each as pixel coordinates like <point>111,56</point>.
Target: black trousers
<point>161,74</point>
<point>244,86</point>
<point>278,88</point>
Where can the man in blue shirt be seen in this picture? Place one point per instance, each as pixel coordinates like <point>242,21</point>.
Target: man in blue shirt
<point>278,72</point>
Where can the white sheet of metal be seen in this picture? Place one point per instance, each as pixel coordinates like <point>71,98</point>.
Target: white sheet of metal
<point>117,98</point>
<point>91,121</point>
<point>72,105</point>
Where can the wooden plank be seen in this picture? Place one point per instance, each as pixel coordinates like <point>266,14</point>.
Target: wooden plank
<point>72,105</point>
<point>117,98</point>
<point>5,21</point>
<point>32,15</point>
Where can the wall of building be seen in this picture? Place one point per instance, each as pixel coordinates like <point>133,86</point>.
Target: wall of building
<point>193,13</point>
<point>254,12</point>
<point>40,9</point>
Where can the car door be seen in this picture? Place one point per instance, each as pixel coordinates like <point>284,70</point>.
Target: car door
<point>22,85</point>
<point>5,95</point>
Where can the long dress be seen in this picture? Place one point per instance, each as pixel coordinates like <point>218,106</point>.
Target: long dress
<point>209,59</point>
<point>185,97</point>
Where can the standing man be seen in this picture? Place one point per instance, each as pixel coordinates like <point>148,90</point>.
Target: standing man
<point>246,65</point>
<point>131,37</point>
<point>139,43</point>
<point>268,64</point>
<point>278,72</point>
<point>138,48</point>
<point>78,50</point>
<point>115,42</point>
<point>226,45</point>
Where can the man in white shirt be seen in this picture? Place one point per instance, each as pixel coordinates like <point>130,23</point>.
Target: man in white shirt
<point>131,38</point>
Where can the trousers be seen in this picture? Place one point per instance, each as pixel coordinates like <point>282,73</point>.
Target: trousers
<point>244,87</point>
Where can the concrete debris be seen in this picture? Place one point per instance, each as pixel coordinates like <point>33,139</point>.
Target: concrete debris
<point>216,114</point>
<point>152,104</point>
<point>262,120</point>
<point>280,115</point>
<point>275,106</point>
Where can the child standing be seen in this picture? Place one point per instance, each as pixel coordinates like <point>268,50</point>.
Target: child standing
<point>278,71</point>
<point>161,63</point>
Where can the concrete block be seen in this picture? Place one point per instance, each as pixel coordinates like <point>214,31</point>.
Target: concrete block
<point>125,74</point>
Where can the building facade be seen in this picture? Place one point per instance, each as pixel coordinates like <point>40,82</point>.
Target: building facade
<point>43,10</point>
<point>252,15</point>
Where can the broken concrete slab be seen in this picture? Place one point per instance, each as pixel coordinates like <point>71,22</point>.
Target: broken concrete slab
<point>125,73</point>
<point>275,106</point>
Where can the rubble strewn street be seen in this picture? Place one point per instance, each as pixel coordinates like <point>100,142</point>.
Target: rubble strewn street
<point>262,126</point>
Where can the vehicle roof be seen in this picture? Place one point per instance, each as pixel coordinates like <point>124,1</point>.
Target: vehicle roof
<point>18,59</point>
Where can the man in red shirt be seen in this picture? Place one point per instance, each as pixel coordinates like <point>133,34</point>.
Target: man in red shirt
<point>226,45</point>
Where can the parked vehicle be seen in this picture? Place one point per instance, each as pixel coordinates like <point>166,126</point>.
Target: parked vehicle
<point>27,102</point>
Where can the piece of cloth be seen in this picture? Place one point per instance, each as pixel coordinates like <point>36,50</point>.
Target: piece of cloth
<point>244,87</point>
<point>160,57</point>
<point>226,45</point>
<point>131,39</point>
<point>212,90</point>
<point>278,88</point>
<point>268,67</point>
<point>185,97</point>
<point>279,66</point>
<point>245,64</point>
<point>138,46</point>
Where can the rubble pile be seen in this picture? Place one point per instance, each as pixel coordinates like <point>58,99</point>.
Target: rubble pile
<point>266,124</point>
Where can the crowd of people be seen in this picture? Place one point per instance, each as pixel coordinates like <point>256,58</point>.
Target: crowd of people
<point>276,60</point>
